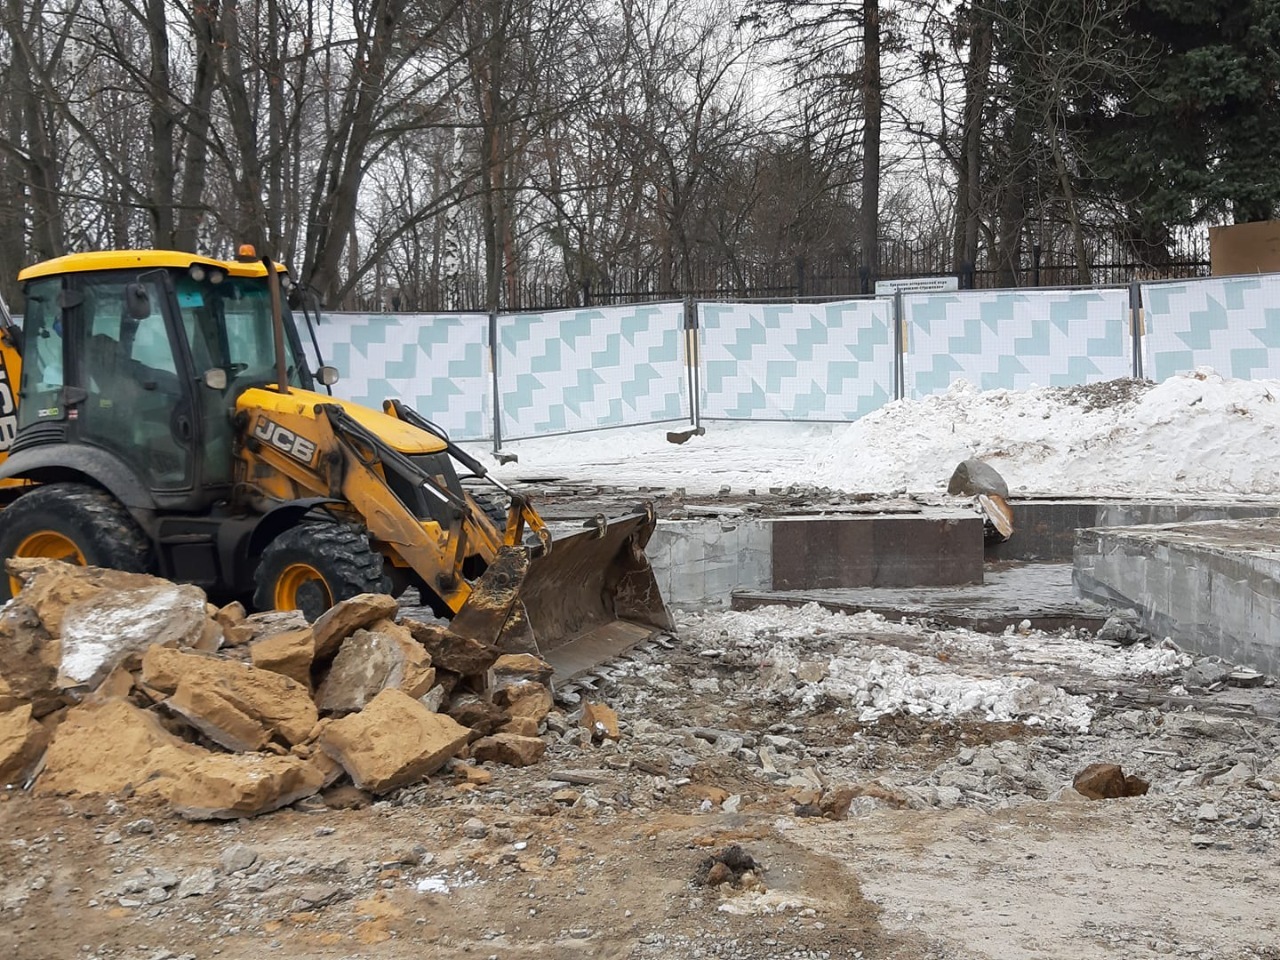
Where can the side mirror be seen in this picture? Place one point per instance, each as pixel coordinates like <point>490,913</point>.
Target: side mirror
<point>215,378</point>
<point>137,301</point>
<point>327,376</point>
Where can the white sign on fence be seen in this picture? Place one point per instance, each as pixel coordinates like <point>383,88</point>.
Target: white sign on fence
<point>887,288</point>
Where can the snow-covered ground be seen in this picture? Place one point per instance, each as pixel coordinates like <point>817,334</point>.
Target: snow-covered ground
<point>1194,435</point>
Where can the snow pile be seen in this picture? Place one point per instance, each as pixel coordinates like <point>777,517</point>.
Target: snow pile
<point>1190,434</point>
<point>1194,434</point>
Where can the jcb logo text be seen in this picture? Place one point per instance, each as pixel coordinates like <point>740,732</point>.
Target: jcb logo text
<point>300,448</point>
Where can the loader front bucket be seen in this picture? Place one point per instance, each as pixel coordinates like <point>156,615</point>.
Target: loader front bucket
<point>589,598</point>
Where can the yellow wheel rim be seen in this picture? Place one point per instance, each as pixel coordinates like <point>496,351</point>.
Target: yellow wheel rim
<point>297,579</point>
<point>50,545</point>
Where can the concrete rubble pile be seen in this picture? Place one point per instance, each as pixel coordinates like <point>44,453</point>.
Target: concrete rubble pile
<point>125,684</point>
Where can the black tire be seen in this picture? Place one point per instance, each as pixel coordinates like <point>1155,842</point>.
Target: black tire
<point>340,561</point>
<point>98,525</point>
<point>493,502</point>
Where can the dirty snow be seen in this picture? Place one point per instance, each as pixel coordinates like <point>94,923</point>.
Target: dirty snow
<point>866,673</point>
<point>1199,434</point>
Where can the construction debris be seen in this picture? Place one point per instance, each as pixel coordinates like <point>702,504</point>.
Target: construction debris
<point>163,704</point>
<point>392,742</point>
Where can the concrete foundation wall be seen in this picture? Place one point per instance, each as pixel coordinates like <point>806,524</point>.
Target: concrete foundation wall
<point>699,563</point>
<point>1045,530</point>
<point>1214,588</point>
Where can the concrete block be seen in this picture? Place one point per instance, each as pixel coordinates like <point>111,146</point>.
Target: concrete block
<point>701,562</point>
<point>1213,587</point>
<point>881,551</point>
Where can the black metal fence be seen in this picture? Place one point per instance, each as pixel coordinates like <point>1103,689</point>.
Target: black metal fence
<point>543,285</point>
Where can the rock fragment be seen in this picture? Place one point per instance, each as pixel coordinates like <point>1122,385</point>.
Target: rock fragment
<point>226,786</point>
<point>383,657</point>
<point>217,718</point>
<point>344,619</point>
<point>601,721</point>
<point>517,667</point>
<point>104,748</point>
<point>509,748</point>
<point>281,704</point>
<point>394,741</point>
<point>1106,781</point>
<point>29,657</point>
<point>974,477</point>
<point>461,655</point>
<point>288,653</point>
<point>21,743</point>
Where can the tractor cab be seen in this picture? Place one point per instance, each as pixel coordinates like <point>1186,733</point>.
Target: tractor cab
<point>136,358</point>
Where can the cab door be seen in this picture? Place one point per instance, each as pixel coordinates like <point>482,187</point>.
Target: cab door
<point>131,368</point>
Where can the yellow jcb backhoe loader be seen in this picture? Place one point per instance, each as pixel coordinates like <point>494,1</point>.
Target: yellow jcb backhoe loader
<point>157,414</point>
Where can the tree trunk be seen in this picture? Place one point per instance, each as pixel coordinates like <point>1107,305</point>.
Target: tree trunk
<point>1013,204</point>
<point>873,109</point>
<point>249,220</point>
<point>1083,275</point>
<point>338,180</point>
<point>162,125</point>
<point>969,182</point>
<point>41,161</point>
<point>195,160</point>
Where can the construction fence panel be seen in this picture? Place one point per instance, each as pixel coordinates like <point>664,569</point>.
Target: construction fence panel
<point>795,361</point>
<point>573,370</point>
<point>1015,339</point>
<point>1231,324</point>
<point>436,363</point>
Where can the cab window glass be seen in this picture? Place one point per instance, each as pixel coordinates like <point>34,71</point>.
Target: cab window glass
<point>228,325</point>
<point>42,374</point>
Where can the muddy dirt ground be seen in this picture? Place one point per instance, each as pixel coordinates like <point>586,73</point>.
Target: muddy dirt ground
<point>959,842</point>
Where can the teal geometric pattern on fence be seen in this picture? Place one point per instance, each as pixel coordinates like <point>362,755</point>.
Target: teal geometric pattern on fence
<point>1231,324</point>
<point>437,364</point>
<point>583,369</point>
<point>797,361</point>
<point>1015,339</point>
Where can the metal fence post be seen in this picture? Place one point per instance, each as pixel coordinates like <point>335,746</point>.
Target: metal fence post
<point>692,357</point>
<point>493,366</point>
<point>899,346</point>
<point>1136,326</point>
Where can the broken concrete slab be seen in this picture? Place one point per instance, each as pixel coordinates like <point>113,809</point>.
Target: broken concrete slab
<point>393,741</point>
<point>217,718</point>
<point>383,657</point>
<point>344,619</point>
<point>282,704</point>
<point>21,743</point>
<point>104,748</point>
<point>103,630</point>
<point>461,655</point>
<point>288,653</point>
<point>509,748</point>
<point>50,586</point>
<point>225,786</point>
